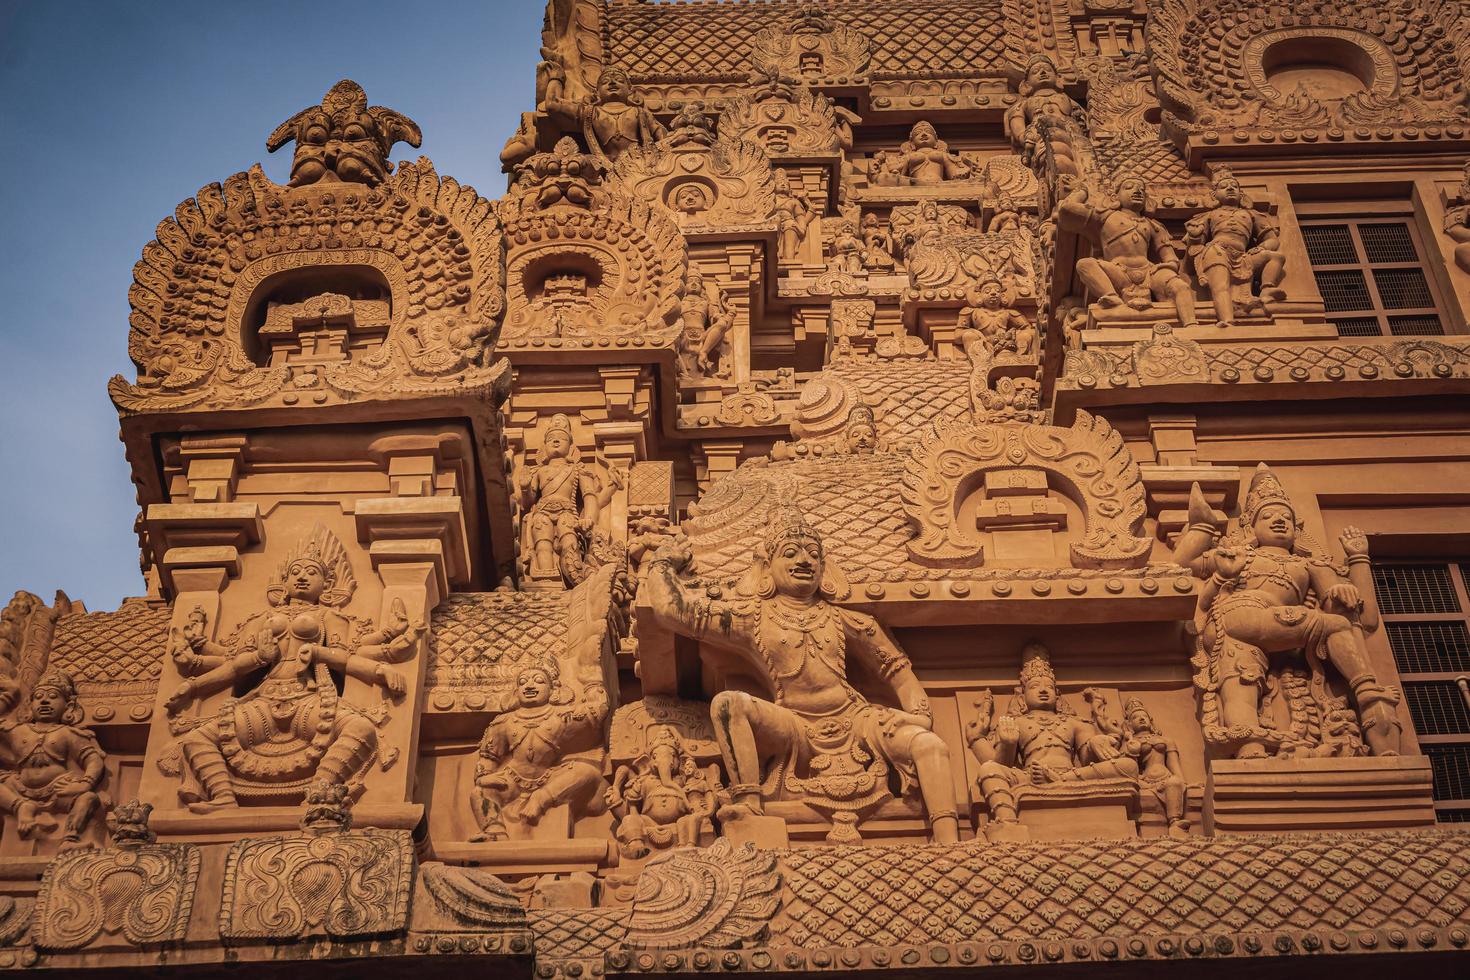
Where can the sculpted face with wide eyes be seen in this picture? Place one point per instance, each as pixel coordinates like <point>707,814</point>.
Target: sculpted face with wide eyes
<point>797,567</point>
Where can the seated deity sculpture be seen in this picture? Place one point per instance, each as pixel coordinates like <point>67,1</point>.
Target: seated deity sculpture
<point>987,326</point>
<point>817,740</point>
<point>1045,116</point>
<point>1160,772</point>
<point>1137,262</point>
<point>49,763</point>
<point>1457,220</point>
<point>925,160</point>
<point>1232,244</point>
<point>847,251</point>
<point>291,727</point>
<point>1035,744</point>
<point>662,799</point>
<point>614,119</point>
<point>1266,595</point>
<point>522,769</point>
<point>563,498</point>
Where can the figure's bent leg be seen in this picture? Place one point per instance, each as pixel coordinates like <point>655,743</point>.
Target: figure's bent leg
<point>573,783</point>
<point>1376,704</point>
<point>350,751</point>
<point>1177,287</point>
<point>202,755</point>
<point>747,730</point>
<point>25,810</point>
<point>997,784</point>
<point>1099,283</point>
<point>936,785</point>
<point>78,816</point>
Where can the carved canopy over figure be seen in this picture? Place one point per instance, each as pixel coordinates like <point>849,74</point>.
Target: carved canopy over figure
<point>523,770</point>
<point>292,726</point>
<point>1137,264</point>
<point>1037,744</point>
<point>1233,243</point>
<point>1046,122</point>
<point>49,763</point>
<point>563,498</point>
<point>612,120</point>
<point>818,740</point>
<point>1266,595</point>
<point>344,138</point>
<point>925,160</point>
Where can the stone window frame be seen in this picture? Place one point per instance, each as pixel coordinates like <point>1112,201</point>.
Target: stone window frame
<point>1374,314</point>
<point>1446,750</point>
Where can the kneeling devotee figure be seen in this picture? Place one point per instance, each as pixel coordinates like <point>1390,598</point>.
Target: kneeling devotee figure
<point>817,740</point>
<point>1038,745</point>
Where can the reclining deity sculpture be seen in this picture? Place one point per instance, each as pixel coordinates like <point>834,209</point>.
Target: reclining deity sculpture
<point>1037,743</point>
<point>1267,595</point>
<point>1045,118</point>
<point>614,119</point>
<point>1138,263</point>
<point>925,160</point>
<point>292,727</point>
<point>49,763</point>
<point>817,740</point>
<point>523,769</point>
<point>343,139</point>
<point>662,799</point>
<point>1232,244</point>
<point>563,498</point>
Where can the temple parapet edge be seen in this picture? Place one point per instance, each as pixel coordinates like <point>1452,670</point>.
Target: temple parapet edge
<point>889,486</point>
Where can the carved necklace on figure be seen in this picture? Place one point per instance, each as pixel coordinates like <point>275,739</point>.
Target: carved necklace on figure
<point>819,633</point>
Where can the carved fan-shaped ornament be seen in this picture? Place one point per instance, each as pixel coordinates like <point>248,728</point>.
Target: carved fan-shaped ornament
<point>813,47</point>
<point>719,897</point>
<point>728,183</point>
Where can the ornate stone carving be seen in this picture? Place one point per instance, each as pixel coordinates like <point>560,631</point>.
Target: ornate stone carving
<point>1049,129</point>
<point>945,257</point>
<point>467,900</point>
<point>833,749</point>
<point>1136,265</point>
<point>227,253</point>
<point>924,160</point>
<point>50,766</point>
<point>811,46</point>
<point>720,897</point>
<point>878,247</point>
<point>1457,220</point>
<point>586,259</point>
<point>540,753</point>
<point>1315,69</point>
<point>329,880</point>
<point>1087,461</point>
<point>701,181</point>
<point>611,121</point>
<point>138,889</point>
<point>794,217</point>
<point>1160,770</point>
<point>292,726</point>
<point>563,498</point>
<point>1232,245</point>
<point>343,139</point>
<point>1268,594</point>
<point>787,120</point>
<point>704,346</point>
<point>1037,745</point>
<point>665,786</point>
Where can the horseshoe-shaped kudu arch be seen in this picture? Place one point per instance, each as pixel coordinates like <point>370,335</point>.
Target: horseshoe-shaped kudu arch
<point>928,488</point>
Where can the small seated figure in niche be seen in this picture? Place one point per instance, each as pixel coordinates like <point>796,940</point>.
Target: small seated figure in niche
<point>885,169</point>
<point>662,799</point>
<point>1233,243</point>
<point>1038,745</point>
<point>847,251</point>
<point>292,726</point>
<point>1266,594</point>
<point>49,763</point>
<point>877,245</point>
<point>794,216</point>
<point>1160,771</point>
<point>1138,263</point>
<point>707,323</point>
<point>987,326</point>
<point>523,770</point>
<point>925,160</point>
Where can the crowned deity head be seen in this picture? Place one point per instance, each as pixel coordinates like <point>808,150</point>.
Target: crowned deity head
<point>557,442</point>
<point>54,700</point>
<point>1227,188</point>
<point>538,682</point>
<point>793,554</point>
<point>1136,717</point>
<point>861,433</point>
<point>1038,684</point>
<point>1268,512</point>
<point>315,571</point>
<point>1132,193</point>
<point>1041,75</point>
<point>614,85</point>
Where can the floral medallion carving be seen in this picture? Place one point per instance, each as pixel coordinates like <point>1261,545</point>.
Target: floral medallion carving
<point>1087,462</point>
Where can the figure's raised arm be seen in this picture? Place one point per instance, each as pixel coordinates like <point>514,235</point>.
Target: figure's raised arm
<point>683,608</point>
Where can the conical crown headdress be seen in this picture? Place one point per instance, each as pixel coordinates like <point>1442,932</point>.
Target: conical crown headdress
<point>324,548</point>
<point>787,522</point>
<point>1265,489</point>
<point>1036,662</point>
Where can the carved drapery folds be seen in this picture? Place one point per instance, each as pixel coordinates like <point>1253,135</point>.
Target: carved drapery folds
<point>427,248</point>
<point>1087,463</point>
<point>588,260</point>
<point>1315,71</point>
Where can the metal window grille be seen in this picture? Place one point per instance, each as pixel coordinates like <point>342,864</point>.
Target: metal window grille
<point>1415,589</point>
<point>1387,243</point>
<point>1358,326</point>
<point>1454,816</point>
<point>1403,289</point>
<point>1329,244</point>
<point>1414,325</point>
<point>1343,289</point>
<point>1451,764</point>
<point>1429,648</point>
<point>1438,708</point>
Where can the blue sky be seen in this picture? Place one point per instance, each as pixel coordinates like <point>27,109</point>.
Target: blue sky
<point>114,112</point>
